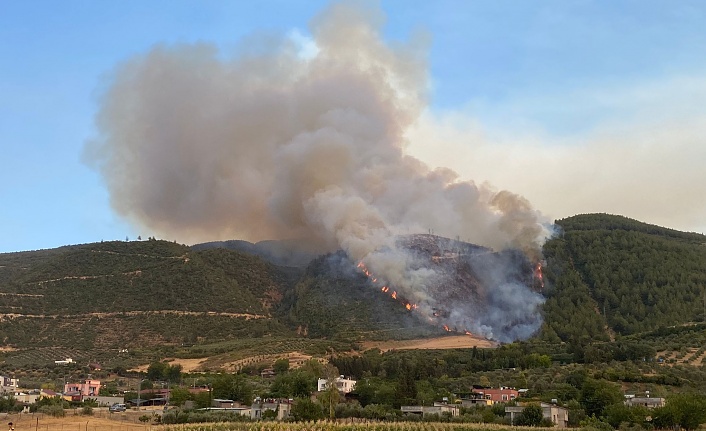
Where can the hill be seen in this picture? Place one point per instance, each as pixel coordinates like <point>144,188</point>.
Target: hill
<point>610,275</point>
<point>123,294</point>
<point>608,278</point>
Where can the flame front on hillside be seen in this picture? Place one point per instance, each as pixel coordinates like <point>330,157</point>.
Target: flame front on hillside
<point>408,305</point>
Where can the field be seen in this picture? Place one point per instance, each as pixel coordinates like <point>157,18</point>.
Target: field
<point>450,342</point>
<point>105,422</point>
<point>101,421</point>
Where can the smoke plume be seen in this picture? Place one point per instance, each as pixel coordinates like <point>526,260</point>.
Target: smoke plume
<point>272,144</point>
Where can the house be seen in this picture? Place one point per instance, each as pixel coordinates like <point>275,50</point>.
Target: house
<point>648,402</point>
<point>281,406</point>
<point>88,388</point>
<point>48,393</point>
<point>436,409</point>
<point>343,384</point>
<point>64,361</point>
<point>8,384</point>
<point>106,401</point>
<point>267,373</point>
<point>557,414</point>
<point>497,395</point>
<point>223,403</point>
<point>27,397</point>
<point>475,401</point>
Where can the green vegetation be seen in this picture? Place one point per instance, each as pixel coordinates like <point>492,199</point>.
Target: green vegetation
<point>609,275</point>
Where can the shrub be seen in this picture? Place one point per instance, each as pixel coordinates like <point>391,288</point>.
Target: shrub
<point>53,410</point>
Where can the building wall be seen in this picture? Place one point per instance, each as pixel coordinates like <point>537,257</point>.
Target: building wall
<point>87,388</point>
<point>344,385</point>
<point>499,395</point>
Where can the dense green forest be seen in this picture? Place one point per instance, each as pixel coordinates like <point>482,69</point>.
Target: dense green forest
<point>609,275</point>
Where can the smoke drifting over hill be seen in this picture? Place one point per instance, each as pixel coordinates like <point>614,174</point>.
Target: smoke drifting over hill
<point>275,145</point>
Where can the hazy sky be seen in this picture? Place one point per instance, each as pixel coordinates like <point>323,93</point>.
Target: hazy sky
<point>580,106</point>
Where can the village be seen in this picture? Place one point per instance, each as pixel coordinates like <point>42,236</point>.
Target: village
<point>159,400</point>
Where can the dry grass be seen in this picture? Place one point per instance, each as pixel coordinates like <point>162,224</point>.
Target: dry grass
<point>449,342</point>
<point>101,421</point>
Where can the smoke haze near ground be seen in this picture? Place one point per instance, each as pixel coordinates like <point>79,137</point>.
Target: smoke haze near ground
<point>276,145</point>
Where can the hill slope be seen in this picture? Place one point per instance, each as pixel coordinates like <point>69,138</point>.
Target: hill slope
<point>613,275</point>
<point>117,294</point>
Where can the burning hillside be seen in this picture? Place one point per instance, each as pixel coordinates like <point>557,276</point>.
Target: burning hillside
<point>467,288</point>
<point>276,145</point>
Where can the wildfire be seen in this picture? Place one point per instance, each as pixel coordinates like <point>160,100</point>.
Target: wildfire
<point>538,274</point>
<point>467,332</point>
<point>393,294</point>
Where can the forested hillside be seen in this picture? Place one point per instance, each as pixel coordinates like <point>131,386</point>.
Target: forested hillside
<point>334,300</point>
<point>612,275</point>
<point>113,294</point>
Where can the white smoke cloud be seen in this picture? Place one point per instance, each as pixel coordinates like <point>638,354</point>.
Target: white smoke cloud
<point>642,158</point>
<point>277,144</point>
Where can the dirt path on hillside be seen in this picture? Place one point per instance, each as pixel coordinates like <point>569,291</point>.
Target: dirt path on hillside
<point>245,316</point>
<point>449,342</point>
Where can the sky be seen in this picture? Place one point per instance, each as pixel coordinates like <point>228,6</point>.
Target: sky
<point>580,106</point>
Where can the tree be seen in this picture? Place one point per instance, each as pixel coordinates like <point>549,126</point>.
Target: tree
<point>178,396</point>
<point>531,416</point>
<point>331,393</point>
<point>173,373</point>
<point>281,366</point>
<point>406,390</point>
<point>597,395</point>
<point>157,370</point>
<point>685,410</point>
<point>304,409</point>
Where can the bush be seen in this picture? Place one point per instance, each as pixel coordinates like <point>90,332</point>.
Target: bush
<point>54,410</point>
<point>87,411</point>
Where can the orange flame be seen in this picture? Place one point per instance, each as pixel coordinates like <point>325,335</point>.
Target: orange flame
<point>538,274</point>
<point>394,295</point>
<point>467,332</point>
<point>446,328</point>
<point>408,306</point>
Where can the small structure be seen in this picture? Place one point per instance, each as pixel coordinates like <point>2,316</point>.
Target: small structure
<point>268,373</point>
<point>223,403</point>
<point>497,395</point>
<point>281,406</point>
<point>343,384</point>
<point>105,401</point>
<point>436,409</point>
<point>557,414</point>
<point>650,403</point>
<point>8,384</point>
<point>64,361</point>
<point>48,393</point>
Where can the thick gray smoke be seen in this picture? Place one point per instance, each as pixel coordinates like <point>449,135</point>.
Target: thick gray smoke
<point>275,145</point>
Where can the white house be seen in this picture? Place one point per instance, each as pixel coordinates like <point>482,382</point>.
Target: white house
<point>343,384</point>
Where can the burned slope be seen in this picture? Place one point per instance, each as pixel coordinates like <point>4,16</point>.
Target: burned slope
<point>473,289</point>
<point>335,300</point>
<point>453,287</point>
